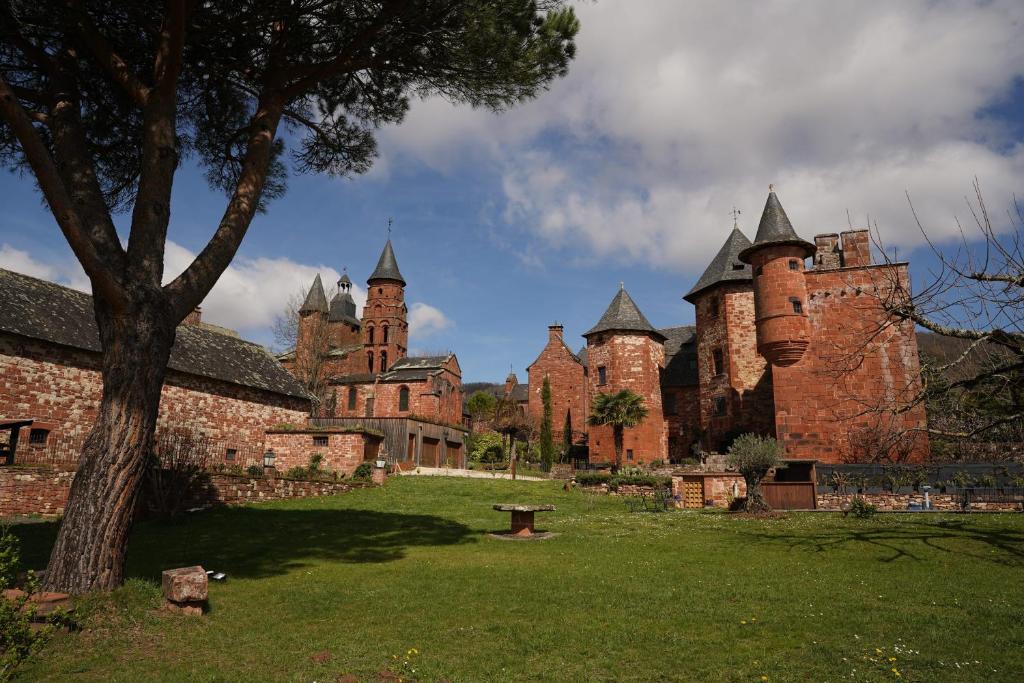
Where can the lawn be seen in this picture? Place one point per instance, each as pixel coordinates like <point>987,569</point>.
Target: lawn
<point>404,579</point>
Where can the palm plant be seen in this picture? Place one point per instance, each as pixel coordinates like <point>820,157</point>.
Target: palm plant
<point>618,411</point>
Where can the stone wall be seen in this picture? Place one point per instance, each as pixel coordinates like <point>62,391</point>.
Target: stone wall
<point>343,451</point>
<point>946,502</point>
<point>33,491</point>
<point>226,489</point>
<point>681,425</point>
<point>568,385</point>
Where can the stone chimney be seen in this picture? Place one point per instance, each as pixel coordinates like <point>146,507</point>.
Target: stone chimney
<point>555,332</point>
<point>828,255</point>
<point>856,248</point>
<point>195,317</point>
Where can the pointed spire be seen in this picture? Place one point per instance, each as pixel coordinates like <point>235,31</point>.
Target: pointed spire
<point>316,300</point>
<point>387,266</point>
<point>775,229</point>
<point>726,266</point>
<point>623,314</point>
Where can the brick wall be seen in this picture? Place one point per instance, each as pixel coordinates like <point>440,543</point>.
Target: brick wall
<point>632,361</point>
<point>945,502</point>
<point>385,308</point>
<point>832,404</point>
<point>681,426</point>
<point>63,386</point>
<point>343,452</point>
<point>33,491</point>
<point>568,385</point>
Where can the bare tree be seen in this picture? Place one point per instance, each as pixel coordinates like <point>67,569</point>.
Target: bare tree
<point>303,342</point>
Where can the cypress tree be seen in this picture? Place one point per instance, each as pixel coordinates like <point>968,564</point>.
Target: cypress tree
<point>547,441</point>
<point>567,436</point>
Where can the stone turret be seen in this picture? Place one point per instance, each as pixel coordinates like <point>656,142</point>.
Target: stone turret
<point>385,328</point>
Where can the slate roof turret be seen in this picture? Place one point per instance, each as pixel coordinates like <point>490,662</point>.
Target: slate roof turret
<point>775,229</point>
<point>343,309</point>
<point>316,300</point>
<point>725,267</point>
<point>624,315</point>
<point>387,266</point>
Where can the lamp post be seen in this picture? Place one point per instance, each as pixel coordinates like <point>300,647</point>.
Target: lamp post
<point>268,461</point>
<point>927,498</point>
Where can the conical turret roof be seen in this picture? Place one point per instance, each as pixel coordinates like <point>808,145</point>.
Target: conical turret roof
<point>316,300</point>
<point>775,229</point>
<point>624,315</point>
<point>387,266</point>
<point>726,266</point>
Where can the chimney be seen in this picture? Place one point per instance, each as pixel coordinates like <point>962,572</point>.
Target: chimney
<point>828,256</point>
<point>195,317</point>
<point>856,248</point>
<point>555,332</point>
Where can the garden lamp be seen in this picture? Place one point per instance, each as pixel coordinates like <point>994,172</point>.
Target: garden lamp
<point>268,459</point>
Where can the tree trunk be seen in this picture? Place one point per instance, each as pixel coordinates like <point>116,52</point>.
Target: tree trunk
<point>89,553</point>
<point>617,434</point>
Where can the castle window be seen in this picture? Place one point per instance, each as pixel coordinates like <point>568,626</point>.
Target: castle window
<point>629,454</point>
<point>719,359</point>
<point>737,266</point>
<point>403,398</point>
<point>720,406</point>
<point>230,454</point>
<point>797,306</point>
<point>369,335</point>
<point>602,375</point>
<point>380,290</point>
<point>369,358</point>
<point>669,401</point>
<point>385,334</point>
<point>37,437</point>
<point>320,440</point>
<point>759,272</point>
<point>352,394</point>
<point>794,264</point>
<point>383,361</point>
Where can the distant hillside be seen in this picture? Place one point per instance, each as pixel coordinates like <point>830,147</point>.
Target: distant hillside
<point>470,387</point>
<point>938,350</point>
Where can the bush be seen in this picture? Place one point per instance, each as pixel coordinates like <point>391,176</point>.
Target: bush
<point>614,481</point>
<point>738,504</point>
<point>18,640</point>
<point>861,509</point>
<point>296,473</point>
<point>254,471</point>
<point>592,478</point>
<point>487,448</point>
<point>753,456</point>
<point>363,471</point>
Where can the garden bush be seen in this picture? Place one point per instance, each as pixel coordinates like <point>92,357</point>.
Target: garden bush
<point>592,478</point>
<point>363,471</point>
<point>861,509</point>
<point>18,640</point>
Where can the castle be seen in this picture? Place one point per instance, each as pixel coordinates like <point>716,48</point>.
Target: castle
<point>808,355</point>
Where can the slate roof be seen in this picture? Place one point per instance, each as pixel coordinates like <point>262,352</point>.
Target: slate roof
<point>316,300</point>
<point>775,229</point>
<point>680,349</point>
<point>387,266</point>
<point>343,309</point>
<point>726,266</point>
<point>582,356</point>
<point>520,393</point>
<point>622,314</point>
<point>49,312</point>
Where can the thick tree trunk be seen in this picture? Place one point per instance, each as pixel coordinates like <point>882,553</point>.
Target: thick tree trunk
<point>89,553</point>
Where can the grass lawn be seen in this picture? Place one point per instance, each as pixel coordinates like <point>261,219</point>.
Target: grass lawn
<point>404,579</point>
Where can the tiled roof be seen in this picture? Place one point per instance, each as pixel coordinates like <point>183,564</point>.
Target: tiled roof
<point>49,312</point>
<point>623,315</point>
<point>726,266</point>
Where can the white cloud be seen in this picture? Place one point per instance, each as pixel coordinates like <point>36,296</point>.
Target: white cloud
<point>426,320</point>
<point>69,273</point>
<point>675,112</point>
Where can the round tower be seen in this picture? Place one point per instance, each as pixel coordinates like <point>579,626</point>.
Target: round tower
<point>780,290</point>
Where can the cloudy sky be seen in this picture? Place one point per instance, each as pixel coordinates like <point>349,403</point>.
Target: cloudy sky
<point>628,169</point>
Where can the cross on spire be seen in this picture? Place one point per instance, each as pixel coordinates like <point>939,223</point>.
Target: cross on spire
<point>735,216</point>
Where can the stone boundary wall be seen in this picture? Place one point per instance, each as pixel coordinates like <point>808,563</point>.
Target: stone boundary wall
<point>945,502</point>
<point>623,490</point>
<point>44,491</point>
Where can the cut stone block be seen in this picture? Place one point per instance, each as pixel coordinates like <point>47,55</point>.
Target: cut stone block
<point>185,584</point>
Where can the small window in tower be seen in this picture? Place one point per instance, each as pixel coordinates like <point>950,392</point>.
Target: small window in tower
<point>629,454</point>
<point>759,271</point>
<point>230,455</point>
<point>720,406</point>
<point>320,441</point>
<point>37,437</point>
<point>352,395</point>
<point>403,398</point>
<point>794,264</point>
<point>738,266</point>
<point>602,375</point>
<point>719,359</point>
<point>383,361</point>
<point>385,334</point>
<point>380,290</point>
<point>369,358</point>
<point>369,335</point>
<point>797,306</point>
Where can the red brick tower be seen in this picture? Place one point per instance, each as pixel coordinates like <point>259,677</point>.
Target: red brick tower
<point>311,341</point>
<point>385,330</point>
<point>624,351</point>
<point>564,372</point>
<point>780,288</point>
<point>733,378</point>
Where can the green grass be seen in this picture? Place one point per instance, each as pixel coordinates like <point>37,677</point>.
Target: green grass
<point>372,574</point>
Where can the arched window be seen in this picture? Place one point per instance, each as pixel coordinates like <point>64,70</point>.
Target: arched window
<point>403,398</point>
<point>383,361</point>
<point>369,358</point>
<point>352,396</point>
<point>369,334</point>
<point>385,333</point>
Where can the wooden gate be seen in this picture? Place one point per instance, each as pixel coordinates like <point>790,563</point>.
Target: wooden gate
<point>693,493</point>
<point>431,453</point>
<point>790,495</point>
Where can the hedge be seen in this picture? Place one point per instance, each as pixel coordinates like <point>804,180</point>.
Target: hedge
<point>614,481</point>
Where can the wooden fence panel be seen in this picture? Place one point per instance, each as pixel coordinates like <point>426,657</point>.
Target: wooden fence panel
<point>790,495</point>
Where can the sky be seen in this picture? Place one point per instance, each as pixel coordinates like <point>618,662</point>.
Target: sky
<point>627,170</point>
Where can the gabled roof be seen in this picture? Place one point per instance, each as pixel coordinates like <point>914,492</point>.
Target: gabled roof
<point>726,266</point>
<point>387,266</point>
<point>624,315</point>
<point>520,393</point>
<point>680,349</point>
<point>775,229</point>
<point>49,312</point>
<point>316,300</point>
<point>582,356</point>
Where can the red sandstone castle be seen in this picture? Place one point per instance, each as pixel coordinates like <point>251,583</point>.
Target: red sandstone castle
<point>805,354</point>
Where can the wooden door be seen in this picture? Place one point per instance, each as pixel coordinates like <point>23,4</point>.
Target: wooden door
<point>431,455</point>
<point>693,493</point>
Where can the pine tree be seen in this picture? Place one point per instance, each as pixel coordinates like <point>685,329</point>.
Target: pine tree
<point>547,440</point>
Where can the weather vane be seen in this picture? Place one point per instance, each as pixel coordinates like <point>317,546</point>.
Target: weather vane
<point>390,221</point>
<point>735,216</point>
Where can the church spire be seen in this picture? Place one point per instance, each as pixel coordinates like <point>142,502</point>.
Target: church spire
<point>387,266</point>
<point>316,300</point>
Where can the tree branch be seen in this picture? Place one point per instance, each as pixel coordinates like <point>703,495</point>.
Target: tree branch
<point>111,62</point>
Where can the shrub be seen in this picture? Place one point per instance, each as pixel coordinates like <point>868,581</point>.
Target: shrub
<point>961,479</point>
<point>363,471</point>
<point>487,448</point>
<point>753,456</point>
<point>592,478</point>
<point>254,471</point>
<point>738,504</point>
<point>987,481</point>
<point>296,473</point>
<point>315,461</point>
<point>861,509</point>
<point>18,640</point>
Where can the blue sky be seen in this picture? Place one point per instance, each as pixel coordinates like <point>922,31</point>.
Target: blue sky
<point>628,170</point>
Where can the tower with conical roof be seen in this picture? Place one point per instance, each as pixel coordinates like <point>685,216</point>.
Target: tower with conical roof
<point>780,287</point>
<point>624,351</point>
<point>384,326</point>
<point>343,324</point>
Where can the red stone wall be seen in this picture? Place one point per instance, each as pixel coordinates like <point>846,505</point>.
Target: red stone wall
<point>746,380</point>
<point>856,248</point>
<point>63,386</point>
<point>682,425</point>
<point>832,405</point>
<point>782,333</point>
<point>568,385</point>
<point>385,307</point>
<point>438,397</point>
<point>343,453</point>
<point>33,491</point>
<point>632,361</point>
